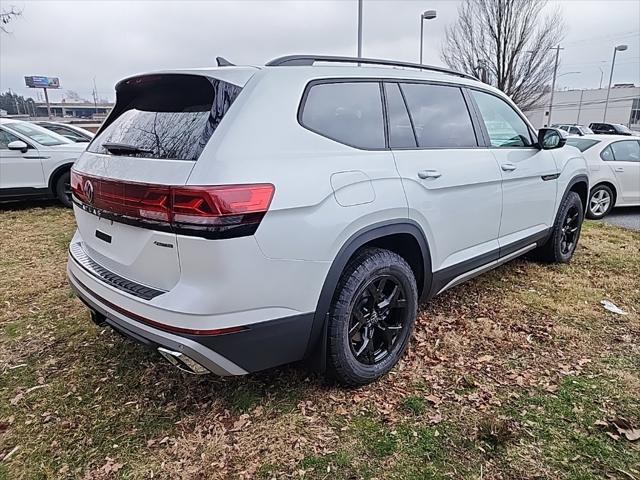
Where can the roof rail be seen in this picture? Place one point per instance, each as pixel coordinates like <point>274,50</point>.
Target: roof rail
<point>309,60</point>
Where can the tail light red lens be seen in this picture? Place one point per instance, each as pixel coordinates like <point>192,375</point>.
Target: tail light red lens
<point>211,212</point>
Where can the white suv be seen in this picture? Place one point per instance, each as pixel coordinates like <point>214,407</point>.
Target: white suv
<point>239,218</point>
<point>34,162</point>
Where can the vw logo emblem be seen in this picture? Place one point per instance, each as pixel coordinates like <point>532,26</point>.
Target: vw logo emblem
<point>88,191</point>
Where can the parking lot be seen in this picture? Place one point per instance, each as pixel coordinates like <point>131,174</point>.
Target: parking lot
<point>516,374</point>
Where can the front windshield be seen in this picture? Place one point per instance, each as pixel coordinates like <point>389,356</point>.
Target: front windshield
<point>587,130</point>
<point>38,134</point>
<point>581,144</point>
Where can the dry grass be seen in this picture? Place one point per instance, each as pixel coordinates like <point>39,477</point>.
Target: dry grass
<point>505,379</point>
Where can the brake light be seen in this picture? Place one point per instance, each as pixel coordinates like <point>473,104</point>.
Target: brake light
<point>211,211</point>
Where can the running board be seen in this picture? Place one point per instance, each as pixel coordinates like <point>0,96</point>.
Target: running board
<point>486,267</point>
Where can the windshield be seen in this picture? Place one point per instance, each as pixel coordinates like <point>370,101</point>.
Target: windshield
<point>165,117</point>
<point>581,144</point>
<point>586,130</point>
<point>38,134</point>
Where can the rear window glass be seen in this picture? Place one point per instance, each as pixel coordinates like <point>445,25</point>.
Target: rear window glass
<point>348,112</point>
<point>165,116</point>
<point>582,144</point>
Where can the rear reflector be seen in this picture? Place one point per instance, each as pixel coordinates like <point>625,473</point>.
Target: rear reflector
<point>210,212</point>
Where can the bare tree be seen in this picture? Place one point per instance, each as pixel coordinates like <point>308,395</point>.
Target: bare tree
<point>7,16</point>
<point>510,40</point>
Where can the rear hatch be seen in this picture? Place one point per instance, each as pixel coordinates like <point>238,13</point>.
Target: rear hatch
<point>124,184</point>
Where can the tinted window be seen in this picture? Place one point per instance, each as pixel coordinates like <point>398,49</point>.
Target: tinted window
<point>574,130</point>
<point>400,129</point>
<point>506,128</point>
<point>626,151</point>
<point>348,112</point>
<point>5,139</point>
<point>440,116</point>
<point>607,154</point>
<point>581,144</point>
<point>166,116</point>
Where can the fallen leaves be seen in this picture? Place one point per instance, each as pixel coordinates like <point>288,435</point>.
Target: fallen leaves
<point>619,426</point>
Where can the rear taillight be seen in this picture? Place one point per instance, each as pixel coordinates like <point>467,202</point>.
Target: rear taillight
<point>210,212</point>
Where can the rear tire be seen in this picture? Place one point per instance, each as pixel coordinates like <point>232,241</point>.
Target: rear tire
<point>371,317</point>
<point>63,189</point>
<point>566,232</point>
<point>601,202</point>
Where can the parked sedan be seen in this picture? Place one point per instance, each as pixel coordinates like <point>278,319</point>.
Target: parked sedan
<point>35,162</point>
<point>614,167</point>
<point>72,132</point>
<point>579,130</point>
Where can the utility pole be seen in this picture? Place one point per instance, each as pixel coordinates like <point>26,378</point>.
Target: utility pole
<point>360,28</point>
<point>579,107</point>
<point>553,84</point>
<point>95,97</point>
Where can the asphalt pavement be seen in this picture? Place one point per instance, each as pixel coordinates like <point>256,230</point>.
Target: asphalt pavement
<point>626,217</point>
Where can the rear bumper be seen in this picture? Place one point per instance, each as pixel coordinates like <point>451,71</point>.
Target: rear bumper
<point>259,346</point>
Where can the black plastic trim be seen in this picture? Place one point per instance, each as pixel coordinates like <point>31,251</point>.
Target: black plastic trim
<point>8,194</point>
<point>265,344</point>
<point>83,260</point>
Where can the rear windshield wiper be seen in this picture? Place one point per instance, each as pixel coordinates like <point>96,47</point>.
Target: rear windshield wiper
<point>124,148</point>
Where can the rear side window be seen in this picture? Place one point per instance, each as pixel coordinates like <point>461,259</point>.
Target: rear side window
<point>626,151</point>
<point>165,116</point>
<point>347,112</point>
<point>505,127</point>
<point>400,129</point>
<point>581,144</point>
<point>440,116</point>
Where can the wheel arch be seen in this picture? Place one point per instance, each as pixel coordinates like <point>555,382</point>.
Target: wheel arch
<point>580,185</point>
<point>404,237</point>
<point>608,184</point>
<point>55,175</point>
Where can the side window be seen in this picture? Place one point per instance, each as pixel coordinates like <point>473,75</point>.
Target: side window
<point>607,154</point>
<point>626,151</point>
<point>5,139</point>
<point>440,116</point>
<point>400,129</point>
<point>348,112</point>
<point>506,128</point>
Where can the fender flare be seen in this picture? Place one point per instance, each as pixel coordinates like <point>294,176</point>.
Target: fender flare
<point>316,346</point>
<point>581,178</point>
<point>55,173</point>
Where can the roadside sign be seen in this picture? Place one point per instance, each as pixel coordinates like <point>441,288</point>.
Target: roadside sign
<point>42,82</point>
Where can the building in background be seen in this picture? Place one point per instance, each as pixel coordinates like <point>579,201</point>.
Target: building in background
<point>74,109</point>
<point>586,106</point>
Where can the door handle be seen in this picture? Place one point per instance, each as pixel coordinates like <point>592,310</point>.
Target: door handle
<point>424,174</point>
<point>508,167</point>
<point>619,169</point>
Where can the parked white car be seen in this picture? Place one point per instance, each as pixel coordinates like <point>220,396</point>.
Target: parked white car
<point>72,132</point>
<point>614,167</point>
<point>239,218</point>
<point>573,129</point>
<point>35,162</point>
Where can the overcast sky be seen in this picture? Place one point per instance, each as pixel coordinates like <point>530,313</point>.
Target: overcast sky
<point>109,40</point>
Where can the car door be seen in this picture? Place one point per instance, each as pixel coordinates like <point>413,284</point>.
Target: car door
<point>529,174</point>
<point>452,185</point>
<point>626,168</point>
<point>19,169</point>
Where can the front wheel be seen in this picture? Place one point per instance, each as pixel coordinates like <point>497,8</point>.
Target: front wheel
<point>63,189</point>
<point>371,317</point>
<point>600,202</point>
<point>566,231</point>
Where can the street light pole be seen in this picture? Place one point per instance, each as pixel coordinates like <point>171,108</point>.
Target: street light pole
<point>553,83</point>
<point>360,28</point>
<point>427,15</point>
<point>618,48</point>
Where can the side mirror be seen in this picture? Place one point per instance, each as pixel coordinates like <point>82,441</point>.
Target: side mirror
<point>550,138</point>
<point>18,145</point>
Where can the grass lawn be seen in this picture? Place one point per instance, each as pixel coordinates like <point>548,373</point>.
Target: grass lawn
<point>514,375</point>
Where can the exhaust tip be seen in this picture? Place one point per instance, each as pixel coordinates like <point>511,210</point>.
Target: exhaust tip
<point>182,362</point>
